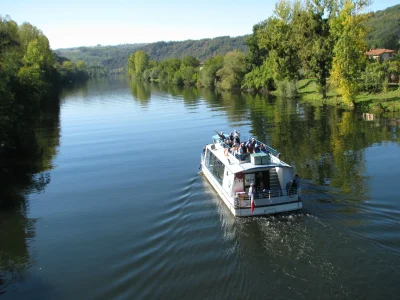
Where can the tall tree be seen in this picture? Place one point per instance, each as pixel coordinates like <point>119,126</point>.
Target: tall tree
<point>233,70</point>
<point>311,30</point>
<point>208,74</point>
<point>276,37</point>
<point>131,65</point>
<point>141,62</point>
<point>349,30</point>
<point>256,55</point>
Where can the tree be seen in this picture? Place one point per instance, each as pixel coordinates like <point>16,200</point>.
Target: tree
<point>208,74</point>
<point>276,37</point>
<point>349,30</point>
<point>311,33</point>
<point>141,62</point>
<point>233,70</point>
<point>131,65</point>
<point>259,78</point>
<point>255,56</point>
<point>190,61</point>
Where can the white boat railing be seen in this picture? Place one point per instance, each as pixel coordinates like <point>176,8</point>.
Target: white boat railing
<point>268,194</point>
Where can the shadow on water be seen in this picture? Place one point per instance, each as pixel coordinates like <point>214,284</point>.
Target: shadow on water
<point>25,170</point>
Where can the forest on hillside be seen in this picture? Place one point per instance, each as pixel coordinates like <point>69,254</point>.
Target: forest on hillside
<point>384,33</point>
<point>115,57</point>
<point>385,29</point>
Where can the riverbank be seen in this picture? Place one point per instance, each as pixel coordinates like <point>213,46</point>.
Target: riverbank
<point>368,102</point>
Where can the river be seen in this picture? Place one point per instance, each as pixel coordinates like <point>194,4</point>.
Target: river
<point>125,214</point>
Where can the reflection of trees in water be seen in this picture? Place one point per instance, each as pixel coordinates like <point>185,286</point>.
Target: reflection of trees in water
<point>141,91</point>
<point>325,144</point>
<point>15,232</point>
<point>25,170</point>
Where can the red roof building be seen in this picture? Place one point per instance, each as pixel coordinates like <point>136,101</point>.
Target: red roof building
<point>381,54</point>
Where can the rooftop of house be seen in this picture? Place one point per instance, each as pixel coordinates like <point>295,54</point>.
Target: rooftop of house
<point>377,52</point>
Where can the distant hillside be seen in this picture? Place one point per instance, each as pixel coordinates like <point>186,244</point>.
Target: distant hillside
<point>385,25</point>
<point>115,57</point>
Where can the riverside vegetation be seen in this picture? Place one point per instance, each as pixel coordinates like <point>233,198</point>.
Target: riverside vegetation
<point>322,40</point>
<point>31,77</point>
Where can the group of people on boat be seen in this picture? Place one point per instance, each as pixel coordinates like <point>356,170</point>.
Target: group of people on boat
<point>240,148</point>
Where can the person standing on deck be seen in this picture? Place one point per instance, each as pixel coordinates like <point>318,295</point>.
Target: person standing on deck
<point>295,183</point>
<point>252,191</point>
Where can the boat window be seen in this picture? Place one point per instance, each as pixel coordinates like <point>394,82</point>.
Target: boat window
<point>215,166</point>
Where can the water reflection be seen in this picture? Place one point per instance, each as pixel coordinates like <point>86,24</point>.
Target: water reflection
<point>27,173</point>
<point>16,229</point>
<point>325,144</point>
<point>141,92</point>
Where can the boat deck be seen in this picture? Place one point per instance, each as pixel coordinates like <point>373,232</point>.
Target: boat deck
<point>242,162</point>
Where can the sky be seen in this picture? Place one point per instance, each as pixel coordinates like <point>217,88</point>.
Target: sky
<point>73,23</point>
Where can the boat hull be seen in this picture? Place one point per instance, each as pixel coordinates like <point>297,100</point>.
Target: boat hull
<point>285,204</point>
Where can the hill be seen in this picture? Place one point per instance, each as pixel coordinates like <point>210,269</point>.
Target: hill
<point>385,29</point>
<point>115,57</point>
<point>384,24</point>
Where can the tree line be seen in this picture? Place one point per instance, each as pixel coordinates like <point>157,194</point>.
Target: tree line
<point>384,33</point>
<point>31,75</point>
<point>322,39</point>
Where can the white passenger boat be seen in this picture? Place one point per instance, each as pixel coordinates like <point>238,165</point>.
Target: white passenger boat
<point>232,174</point>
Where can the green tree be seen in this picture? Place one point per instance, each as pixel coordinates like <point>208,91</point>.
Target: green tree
<point>256,55</point>
<point>233,70</point>
<point>349,30</point>
<point>131,65</point>
<point>208,74</point>
<point>259,78</point>
<point>314,42</point>
<point>190,61</point>
<point>141,62</point>
<point>277,38</point>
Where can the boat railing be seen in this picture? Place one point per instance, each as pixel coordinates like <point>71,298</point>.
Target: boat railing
<point>267,194</point>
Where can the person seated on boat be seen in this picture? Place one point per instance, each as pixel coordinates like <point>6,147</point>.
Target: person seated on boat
<point>257,149</point>
<point>231,137</point>
<point>250,148</point>
<point>237,139</point>
<point>236,134</point>
<point>253,142</point>
<point>228,142</point>
<point>233,150</point>
<point>235,144</point>
<point>264,149</point>
<point>248,142</point>
<point>240,150</point>
<point>222,136</point>
<point>243,147</point>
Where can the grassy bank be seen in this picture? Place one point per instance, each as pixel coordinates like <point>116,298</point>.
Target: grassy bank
<point>369,102</point>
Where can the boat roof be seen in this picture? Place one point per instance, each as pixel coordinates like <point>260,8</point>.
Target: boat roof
<point>245,163</point>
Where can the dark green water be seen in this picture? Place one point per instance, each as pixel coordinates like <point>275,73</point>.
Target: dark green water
<point>124,213</point>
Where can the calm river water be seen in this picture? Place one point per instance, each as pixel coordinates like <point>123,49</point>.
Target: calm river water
<point>126,215</point>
